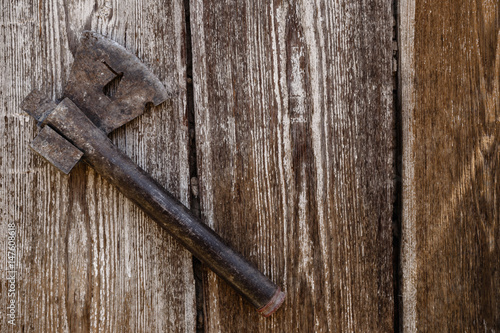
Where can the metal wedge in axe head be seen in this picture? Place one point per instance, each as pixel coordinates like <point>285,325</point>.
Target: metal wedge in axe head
<point>77,128</point>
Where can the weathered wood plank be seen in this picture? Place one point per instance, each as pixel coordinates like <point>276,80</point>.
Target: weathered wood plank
<point>88,259</point>
<point>294,130</point>
<point>450,57</point>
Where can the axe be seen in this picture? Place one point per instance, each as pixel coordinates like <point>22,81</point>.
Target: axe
<point>77,128</point>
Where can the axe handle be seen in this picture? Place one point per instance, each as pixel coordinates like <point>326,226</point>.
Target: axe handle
<point>162,207</point>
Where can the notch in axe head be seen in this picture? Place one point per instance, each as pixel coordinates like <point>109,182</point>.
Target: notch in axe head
<point>77,128</point>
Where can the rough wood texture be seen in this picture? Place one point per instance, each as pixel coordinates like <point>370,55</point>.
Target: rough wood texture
<point>294,130</point>
<point>88,259</point>
<point>450,57</point>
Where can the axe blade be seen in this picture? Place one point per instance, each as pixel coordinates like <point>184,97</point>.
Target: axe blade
<point>97,62</point>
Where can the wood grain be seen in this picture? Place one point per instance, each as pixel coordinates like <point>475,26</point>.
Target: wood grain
<point>88,259</point>
<point>450,65</point>
<point>294,132</point>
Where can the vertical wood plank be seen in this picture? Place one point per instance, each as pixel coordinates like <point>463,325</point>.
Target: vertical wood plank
<point>88,259</point>
<point>450,56</point>
<point>294,131</point>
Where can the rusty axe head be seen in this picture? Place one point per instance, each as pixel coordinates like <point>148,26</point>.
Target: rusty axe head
<point>99,61</point>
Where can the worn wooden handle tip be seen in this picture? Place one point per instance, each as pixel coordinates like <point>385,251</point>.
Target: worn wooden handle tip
<point>274,304</point>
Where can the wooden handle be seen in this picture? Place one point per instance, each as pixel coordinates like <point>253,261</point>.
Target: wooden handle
<point>168,212</point>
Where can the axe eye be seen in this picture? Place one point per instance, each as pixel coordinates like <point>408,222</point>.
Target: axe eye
<point>111,87</point>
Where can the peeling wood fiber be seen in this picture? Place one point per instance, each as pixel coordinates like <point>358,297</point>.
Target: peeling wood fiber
<point>294,131</point>
<point>88,259</point>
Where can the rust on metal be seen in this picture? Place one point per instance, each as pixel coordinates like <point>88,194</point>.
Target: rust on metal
<point>56,149</point>
<point>37,105</point>
<point>98,61</point>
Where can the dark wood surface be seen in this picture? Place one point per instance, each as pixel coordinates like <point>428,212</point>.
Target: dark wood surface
<point>294,132</point>
<point>88,259</point>
<point>450,101</point>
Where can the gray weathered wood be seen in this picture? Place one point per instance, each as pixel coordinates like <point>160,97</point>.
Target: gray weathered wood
<point>88,259</point>
<point>294,130</point>
<point>450,95</point>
